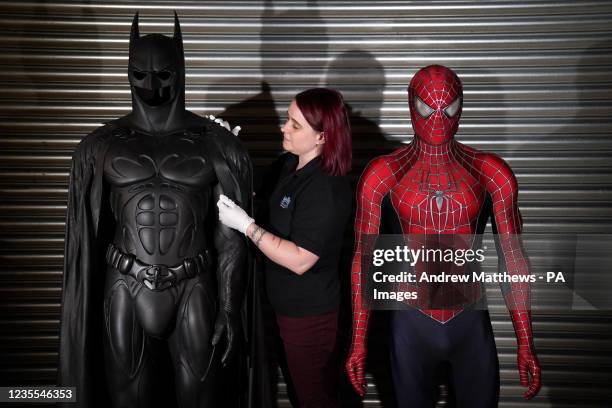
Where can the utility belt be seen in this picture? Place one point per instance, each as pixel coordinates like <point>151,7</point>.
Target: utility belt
<point>156,277</point>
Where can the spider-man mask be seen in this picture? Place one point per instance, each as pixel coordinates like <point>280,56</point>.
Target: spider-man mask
<point>435,97</point>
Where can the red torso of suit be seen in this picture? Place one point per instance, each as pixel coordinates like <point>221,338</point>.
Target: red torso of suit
<point>434,193</point>
<point>439,190</point>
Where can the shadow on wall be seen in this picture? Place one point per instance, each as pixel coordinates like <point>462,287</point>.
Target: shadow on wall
<point>292,59</point>
<point>364,99</point>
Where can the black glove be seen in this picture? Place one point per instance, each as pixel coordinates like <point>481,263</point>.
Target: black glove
<point>229,324</point>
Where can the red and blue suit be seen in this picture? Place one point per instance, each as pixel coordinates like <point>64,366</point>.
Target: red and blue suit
<point>435,185</point>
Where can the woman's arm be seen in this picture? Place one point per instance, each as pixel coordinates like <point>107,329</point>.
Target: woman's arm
<point>281,251</point>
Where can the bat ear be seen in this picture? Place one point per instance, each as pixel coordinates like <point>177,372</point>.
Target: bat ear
<point>178,36</point>
<point>134,33</point>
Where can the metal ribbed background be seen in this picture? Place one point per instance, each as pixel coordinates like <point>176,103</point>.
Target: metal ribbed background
<point>537,78</point>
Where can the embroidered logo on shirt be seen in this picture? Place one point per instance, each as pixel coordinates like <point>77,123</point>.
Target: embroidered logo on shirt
<point>285,202</point>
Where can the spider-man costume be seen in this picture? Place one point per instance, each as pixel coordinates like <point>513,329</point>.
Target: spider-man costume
<point>436,185</point>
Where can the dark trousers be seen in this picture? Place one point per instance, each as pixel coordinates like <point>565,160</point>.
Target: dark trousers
<point>419,345</point>
<point>310,348</point>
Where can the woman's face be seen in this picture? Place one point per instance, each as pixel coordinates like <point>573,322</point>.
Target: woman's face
<point>298,137</point>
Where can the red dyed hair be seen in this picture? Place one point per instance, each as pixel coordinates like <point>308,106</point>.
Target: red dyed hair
<point>325,111</point>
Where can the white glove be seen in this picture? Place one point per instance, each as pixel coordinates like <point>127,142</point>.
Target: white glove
<point>225,124</point>
<point>231,215</point>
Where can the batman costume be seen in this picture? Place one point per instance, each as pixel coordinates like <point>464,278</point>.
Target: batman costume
<point>148,267</point>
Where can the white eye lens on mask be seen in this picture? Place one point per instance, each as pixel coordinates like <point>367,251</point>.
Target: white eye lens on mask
<point>452,109</point>
<point>422,108</point>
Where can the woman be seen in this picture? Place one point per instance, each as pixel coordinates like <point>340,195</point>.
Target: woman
<point>307,211</point>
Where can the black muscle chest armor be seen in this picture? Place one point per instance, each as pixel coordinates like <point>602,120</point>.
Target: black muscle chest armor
<point>160,191</point>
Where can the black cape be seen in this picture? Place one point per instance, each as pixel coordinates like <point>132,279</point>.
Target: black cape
<point>89,229</point>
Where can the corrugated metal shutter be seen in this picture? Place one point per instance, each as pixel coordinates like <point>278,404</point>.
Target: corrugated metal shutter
<point>538,91</point>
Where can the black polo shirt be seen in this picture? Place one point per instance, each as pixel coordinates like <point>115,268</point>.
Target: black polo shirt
<point>311,209</point>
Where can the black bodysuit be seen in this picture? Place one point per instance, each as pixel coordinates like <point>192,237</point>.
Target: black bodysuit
<point>152,279</point>
<point>160,193</point>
